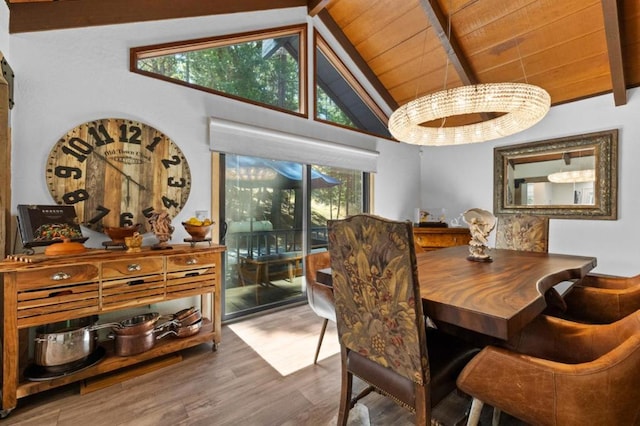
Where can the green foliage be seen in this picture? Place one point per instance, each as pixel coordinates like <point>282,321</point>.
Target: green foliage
<point>240,70</point>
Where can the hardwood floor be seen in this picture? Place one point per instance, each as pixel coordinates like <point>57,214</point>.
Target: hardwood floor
<point>233,386</point>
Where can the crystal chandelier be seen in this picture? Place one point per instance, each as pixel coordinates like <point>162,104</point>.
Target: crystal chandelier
<point>574,176</point>
<point>523,106</point>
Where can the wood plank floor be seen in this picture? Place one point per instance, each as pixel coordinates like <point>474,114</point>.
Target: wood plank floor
<point>233,386</point>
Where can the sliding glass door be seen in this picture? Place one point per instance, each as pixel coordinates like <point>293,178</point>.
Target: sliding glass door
<point>275,212</point>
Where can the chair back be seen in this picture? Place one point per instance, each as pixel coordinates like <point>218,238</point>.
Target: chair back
<point>378,305</point>
<point>523,232</point>
<point>319,296</point>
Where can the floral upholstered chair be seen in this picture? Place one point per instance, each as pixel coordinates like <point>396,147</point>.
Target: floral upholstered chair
<point>523,232</point>
<point>381,325</point>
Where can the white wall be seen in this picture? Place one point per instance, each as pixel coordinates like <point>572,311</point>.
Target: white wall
<point>461,177</point>
<point>67,77</point>
<point>4,29</point>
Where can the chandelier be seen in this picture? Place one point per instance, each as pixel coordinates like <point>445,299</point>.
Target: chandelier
<point>523,106</point>
<point>574,176</point>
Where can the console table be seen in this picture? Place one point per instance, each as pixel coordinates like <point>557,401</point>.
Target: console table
<point>437,238</point>
<point>42,289</point>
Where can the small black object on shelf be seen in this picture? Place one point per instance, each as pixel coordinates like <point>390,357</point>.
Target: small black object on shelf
<point>432,225</point>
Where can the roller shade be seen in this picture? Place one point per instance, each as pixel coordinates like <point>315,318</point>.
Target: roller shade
<point>304,141</point>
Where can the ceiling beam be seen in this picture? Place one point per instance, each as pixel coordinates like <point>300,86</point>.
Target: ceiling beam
<point>439,23</point>
<point>315,6</point>
<point>362,65</point>
<point>54,15</point>
<point>614,49</point>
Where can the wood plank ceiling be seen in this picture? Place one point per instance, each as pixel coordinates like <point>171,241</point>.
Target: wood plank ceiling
<point>574,49</point>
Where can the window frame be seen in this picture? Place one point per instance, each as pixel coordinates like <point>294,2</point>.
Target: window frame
<point>153,50</point>
<point>320,43</point>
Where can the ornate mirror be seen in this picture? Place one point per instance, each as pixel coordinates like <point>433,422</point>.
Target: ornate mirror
<point>573,177</point>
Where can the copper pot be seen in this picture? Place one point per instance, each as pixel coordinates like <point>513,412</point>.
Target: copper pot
<point>136,325</point>
<point>132,344</point>
<point>183,331</point>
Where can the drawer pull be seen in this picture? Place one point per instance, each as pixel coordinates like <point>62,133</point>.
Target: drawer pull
<point>133,267</point>
<point>60,293</point>
<point>191,261</point>
<point>192,274</point>
<point>136,282</point>
<point>59,276</point>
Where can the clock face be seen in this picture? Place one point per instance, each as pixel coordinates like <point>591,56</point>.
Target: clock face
<point>116,172</point>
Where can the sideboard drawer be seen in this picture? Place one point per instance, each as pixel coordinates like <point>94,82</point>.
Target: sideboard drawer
<point>132,267</point>
<point>56,276</point>
<point>189,283</point>
<point>192,260</point>
<point>132,291</point>
<point>440,240</point>
<point>50,304</point>
<point>437,238</point>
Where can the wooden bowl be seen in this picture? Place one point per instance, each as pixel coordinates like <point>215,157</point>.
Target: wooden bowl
<point>65,247</point>
<point>119,233</point>
<point>197,232</point>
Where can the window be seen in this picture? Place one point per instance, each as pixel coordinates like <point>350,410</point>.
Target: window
<point>340,99</point>
<point>267,236</point>
<point>266,68</point>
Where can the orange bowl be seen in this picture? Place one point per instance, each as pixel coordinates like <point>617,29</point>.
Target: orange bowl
<point>197,232</point>
<point>119,233</point>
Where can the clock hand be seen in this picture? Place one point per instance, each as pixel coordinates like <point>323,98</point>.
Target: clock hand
<point>127,198</point>
<point>129,178</point>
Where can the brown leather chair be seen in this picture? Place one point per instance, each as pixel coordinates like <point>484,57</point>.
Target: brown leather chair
<point>383,338</point>
<point>558,372</point>
<point>522,232</point>
<point>320,296</point>
<point>602,299</point>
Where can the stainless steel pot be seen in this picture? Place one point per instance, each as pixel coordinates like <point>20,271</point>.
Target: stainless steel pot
<point>65,342</point>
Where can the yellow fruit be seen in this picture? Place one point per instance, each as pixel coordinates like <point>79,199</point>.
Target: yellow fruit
<point>194,221</point>
<point>207,222</point>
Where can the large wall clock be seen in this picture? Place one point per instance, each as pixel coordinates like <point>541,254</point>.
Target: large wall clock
<point>116,172</point>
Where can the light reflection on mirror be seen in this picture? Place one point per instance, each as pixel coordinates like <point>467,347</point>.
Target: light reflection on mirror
<point>529,183</point>
<point>523,176</point>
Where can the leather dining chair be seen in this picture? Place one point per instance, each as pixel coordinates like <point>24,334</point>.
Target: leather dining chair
<point>602,299</point>
<point>561,373</point>
<point>522,232</point>
<point>381,326</point>
<point>319,296</point>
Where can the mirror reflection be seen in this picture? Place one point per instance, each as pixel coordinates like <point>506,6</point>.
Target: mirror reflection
<point>558,178</point>
<point>573,177</point>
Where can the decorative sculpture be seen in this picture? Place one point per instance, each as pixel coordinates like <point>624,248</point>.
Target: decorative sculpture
<point>481,223</point>
<point>160,222</point>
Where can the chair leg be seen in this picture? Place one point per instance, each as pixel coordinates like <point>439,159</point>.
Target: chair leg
<point>324,328</point>
<point>474,413</point>
<point>495,421</point>
<point>345,396</point>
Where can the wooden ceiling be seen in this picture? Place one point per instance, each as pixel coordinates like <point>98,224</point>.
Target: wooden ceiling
<point>574,49</point>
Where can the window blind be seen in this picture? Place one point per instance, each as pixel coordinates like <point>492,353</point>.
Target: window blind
<point>300,140</point>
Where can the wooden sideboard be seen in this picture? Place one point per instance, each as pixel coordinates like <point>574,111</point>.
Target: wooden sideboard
<point>437,238</point>
<point>43,289</point>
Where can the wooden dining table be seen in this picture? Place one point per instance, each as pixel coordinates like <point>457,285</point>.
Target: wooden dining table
<point>495,299</point>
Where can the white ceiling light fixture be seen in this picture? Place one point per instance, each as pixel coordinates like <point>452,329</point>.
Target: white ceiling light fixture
<point>574,176</point>
<point>521,104</point>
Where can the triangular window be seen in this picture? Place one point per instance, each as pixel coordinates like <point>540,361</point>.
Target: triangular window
<point>266,68</point>
<point>340,99</point>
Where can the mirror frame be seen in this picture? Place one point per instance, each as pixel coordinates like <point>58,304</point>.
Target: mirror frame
<point>605,144</point>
